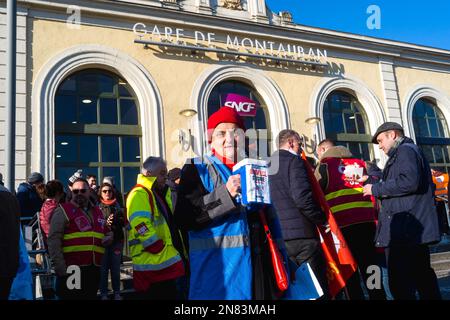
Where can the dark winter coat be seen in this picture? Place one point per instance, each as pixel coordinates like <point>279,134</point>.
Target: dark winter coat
<point>292,197</point>
<point>29,200</point>
<point>408,214</point>
<point>9,234</point>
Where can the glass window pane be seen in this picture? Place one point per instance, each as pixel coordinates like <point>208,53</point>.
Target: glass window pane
<point>428,152</point>
<point>66,109</point>
<point>64,173</point>
<point>108,111</point>
<point>336,123</point>
<point>350,123</point>
<point>446,154</point>
<point>365,152</point>
<point>354,149</point>
<point>433,128</point>
<point>66,149</point>
<point>129,178</point>
<point>429,110</point>
<point>213,101</point>
<point>115,173</point>
<point>110,149</point>
<point>92,171</point>
<point>335,104</point>
<point>69,85</point>
<point>106,83</point>
<point>438,155</point>
<point>87,84</point>
<point>419,111</point>
<point>423,128</point>
<point>361,124</point>
<point>87,110</point>
<point>123,90</point>
<point>442,128</point>
<point>128,112</point>
<point>88,148</point>
<point>260,119</point>
<point>130,149</point>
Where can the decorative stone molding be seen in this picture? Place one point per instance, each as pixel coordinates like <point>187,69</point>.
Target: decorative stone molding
<point>423,91</point>
<point>390,90</point>
<point>170,4</point>
<point>77,58</point>
<point>203,6</point>
<point>232,4</point>
<point>285,16</point>
<point>258,10</point>
<point>368,99</point>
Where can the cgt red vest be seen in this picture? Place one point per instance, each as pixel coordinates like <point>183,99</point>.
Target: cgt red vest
<point>82,244</point>
<point>345,195</point>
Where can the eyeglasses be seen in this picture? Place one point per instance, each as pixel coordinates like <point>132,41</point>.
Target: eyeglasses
<point>77,191</point>
<point>106,191</point>
<point>222,134</point>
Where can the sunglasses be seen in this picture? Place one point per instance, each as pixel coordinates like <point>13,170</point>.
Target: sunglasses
<point>107,191</point>
<point>77,191</point>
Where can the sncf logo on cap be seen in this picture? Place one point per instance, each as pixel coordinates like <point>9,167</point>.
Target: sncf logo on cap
<point>246,107</point>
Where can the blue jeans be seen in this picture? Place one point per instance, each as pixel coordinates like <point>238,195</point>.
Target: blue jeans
<point>111,261</point>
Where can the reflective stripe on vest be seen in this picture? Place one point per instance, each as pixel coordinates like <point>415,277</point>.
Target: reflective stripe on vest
<point>86,234</point>
<point>83,248</point>
<point>343,192</point>
<point>352,205</point>
<point>157,267</point>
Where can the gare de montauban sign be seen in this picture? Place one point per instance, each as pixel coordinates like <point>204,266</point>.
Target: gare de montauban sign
<point>228,44</point>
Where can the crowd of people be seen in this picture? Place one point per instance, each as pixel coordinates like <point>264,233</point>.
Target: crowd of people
<point>190,237</point>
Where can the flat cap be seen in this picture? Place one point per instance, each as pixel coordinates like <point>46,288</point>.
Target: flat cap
<point>386,127</point>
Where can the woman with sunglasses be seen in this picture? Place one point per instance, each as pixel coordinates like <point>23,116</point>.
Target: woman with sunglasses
<point>113,214</point>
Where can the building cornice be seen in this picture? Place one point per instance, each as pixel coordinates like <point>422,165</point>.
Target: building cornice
<point>143,11</point>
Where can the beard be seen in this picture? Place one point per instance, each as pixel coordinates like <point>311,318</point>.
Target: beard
<point>81,201</point>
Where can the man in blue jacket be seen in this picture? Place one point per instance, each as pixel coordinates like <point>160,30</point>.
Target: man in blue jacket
<point>29,195</point>
<point>408,220</point>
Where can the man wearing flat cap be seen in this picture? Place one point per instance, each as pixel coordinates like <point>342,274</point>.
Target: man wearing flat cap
<point>408,221</point>
<point>228,254</point>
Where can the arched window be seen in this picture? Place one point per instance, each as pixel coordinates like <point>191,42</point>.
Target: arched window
<point>97,128</point>
<point>259,123</point>
<point>432,133</point>
<point>346,123</point>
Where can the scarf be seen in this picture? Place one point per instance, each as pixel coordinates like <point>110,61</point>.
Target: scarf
<point>108,202</point>
<point>224,160</point>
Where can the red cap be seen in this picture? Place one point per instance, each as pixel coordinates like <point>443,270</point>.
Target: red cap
<point>224,115</point>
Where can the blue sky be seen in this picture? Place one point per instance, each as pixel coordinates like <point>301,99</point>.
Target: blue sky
<point>415,21</point>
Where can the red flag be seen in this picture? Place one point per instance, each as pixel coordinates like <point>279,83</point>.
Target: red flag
<point>340,262</point>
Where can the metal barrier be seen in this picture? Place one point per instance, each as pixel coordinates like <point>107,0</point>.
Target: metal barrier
<point>43,277</point>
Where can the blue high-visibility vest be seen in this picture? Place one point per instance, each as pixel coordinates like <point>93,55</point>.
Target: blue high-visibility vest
<point>219,255</point>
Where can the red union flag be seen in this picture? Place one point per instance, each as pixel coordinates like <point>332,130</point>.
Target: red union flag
<point>339,259</point>
<point>246,107</point>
